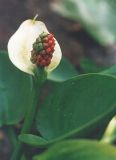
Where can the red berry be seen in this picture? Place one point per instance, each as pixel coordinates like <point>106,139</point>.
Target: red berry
<point>53,43</point>
<point>48,50</point>
<point>39,58</point>
<point>50,42</point>
<point>49,59</point>
<point>43,62</point>
<point>46,56</point>
<point>50,36</point>
<point>42,56</point>
<point>52,48</point>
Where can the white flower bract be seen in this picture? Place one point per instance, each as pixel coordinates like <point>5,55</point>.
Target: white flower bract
<point>20,46</point>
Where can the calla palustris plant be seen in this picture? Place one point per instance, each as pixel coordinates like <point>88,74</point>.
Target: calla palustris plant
<point>72,109</point>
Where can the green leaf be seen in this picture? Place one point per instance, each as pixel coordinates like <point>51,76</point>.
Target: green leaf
<point>79,150</point>
<point>96,16</point>
<point>110,71</point>
<point>33,140</point>
<point>89,66</point>
<point>16,91</point>
<point>77,105</point>
<point>63,72</point>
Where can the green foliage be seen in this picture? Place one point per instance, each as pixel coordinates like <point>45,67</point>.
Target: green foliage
<point>79,150</point>
<point>110,71</point>
<point>77,105</point>
<point>89,66</point>
<point>16,91</point>
<point>96,16</point>
<point>72,109</point>
<point>14,81</point>
<point>33,140</point>
<point>63,72</point>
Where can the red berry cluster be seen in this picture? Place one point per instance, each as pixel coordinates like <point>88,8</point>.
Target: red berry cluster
<point>43,49</point>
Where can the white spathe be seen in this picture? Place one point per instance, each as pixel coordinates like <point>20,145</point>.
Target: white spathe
<point>21,43</point>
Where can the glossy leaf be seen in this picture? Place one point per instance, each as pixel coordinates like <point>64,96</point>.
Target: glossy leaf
<point>96,16</point>
<point>77,105</point>
<point>79,150</point>
<point>63,72</point>
<point>16,92</point>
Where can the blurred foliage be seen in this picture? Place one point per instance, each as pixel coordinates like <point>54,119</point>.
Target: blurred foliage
<point>79,150</point>
<point>89,66</point>
<point>63,72</point>
<point>96,16</point>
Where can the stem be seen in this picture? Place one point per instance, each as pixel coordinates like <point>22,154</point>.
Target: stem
<point>13,138</point>
<point>35,18</point>
<point>31,112</point>
<point>110,132</point>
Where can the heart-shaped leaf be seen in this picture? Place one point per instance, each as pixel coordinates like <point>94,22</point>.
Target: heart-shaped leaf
<point>16,92</point>
<point>79,150</point>
<point>63,72</point>
<point>77,105</point>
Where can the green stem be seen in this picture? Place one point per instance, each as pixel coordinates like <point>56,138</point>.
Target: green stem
<point>31,112</point>
<point>13,138</point>
<point>34,19</point>
<point>110,132</point>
